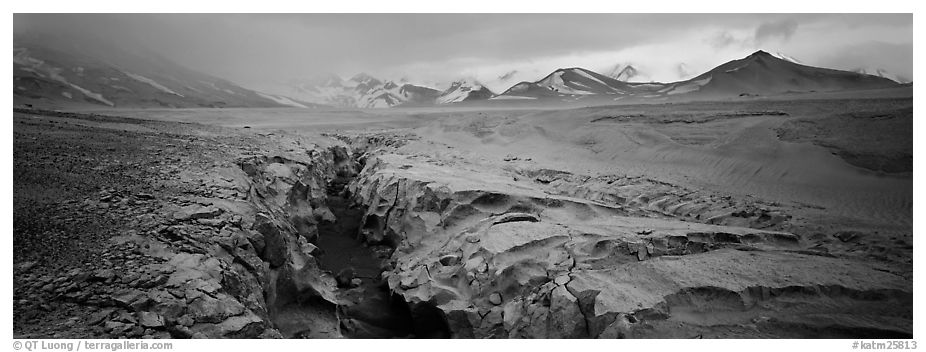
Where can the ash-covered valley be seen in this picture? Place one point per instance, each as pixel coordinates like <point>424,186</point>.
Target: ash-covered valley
<point>182,176</point>
<point>713,220</point>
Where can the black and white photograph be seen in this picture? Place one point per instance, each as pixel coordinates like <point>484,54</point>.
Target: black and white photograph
<point>461,175</point>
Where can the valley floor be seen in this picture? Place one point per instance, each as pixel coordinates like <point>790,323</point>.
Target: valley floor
<point>718,220</point>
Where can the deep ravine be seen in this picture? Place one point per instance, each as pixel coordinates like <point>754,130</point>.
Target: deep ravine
<point>367,307</point>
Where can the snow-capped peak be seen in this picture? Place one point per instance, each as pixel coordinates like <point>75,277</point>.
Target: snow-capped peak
<point>360,91</point>
<point>363,77</point>
<point>623,73</point>
<point>576,81</point>
<point>465,82</point>
<point>787,58</point>
<point>464,89</point>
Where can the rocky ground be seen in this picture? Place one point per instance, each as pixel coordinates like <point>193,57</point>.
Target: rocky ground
<point>137,228</point>
<point>130,228</point>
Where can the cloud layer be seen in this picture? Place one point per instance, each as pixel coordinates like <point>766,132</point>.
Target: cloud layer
<point>265,49</point>
<point>781,30</point>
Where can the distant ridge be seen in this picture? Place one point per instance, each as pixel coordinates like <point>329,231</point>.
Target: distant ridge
<point>757,74</point>
<point>59,71</point>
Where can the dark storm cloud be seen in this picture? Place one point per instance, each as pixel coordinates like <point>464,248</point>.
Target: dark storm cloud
<point>494,36</point>
<point>782,30</point>
<point>273,47</point>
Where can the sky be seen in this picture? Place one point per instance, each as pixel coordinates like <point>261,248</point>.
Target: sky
<point>263,50</point>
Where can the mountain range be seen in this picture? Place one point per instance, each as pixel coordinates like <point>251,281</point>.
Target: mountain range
<point>68,74</point>
<point>57,72</point>
<point>365,91</point>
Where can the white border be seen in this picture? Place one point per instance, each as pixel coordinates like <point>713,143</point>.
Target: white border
<point>477,6</point>
<point>468,6</point>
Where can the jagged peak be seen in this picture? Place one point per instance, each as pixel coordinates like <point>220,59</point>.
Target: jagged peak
<point>467,81</point>
<point>363,77</point>
<point>625,72</point>
<point>560,71</point>
<point>567,69</point>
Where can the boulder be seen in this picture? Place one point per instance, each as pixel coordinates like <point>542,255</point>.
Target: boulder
<point>126,298</point>
<point>495,298</point>
<point>150,320</point>
<point>206,309</point>
<point>193,212</point>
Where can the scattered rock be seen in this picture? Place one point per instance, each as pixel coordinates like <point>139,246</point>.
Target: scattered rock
<point>450,260</point>
<point>641,251</point>
<point>25,267</point>
<point>147,282</point>
<point>186,320</point>
<point>194,212</point>
<point>848,236</point>
<point>115,328</point>
<point>135,331</point>
<point>344,277</point>
<point>239,326</point>
<point>495,298</point>
<point>213,310</point>
<point>103,275</point>
<point>150,320</point>
<point>180,332</point>
<point>101,316</point>
<point>146,196</point>
<point>126,298</point>
<point>126,317</point>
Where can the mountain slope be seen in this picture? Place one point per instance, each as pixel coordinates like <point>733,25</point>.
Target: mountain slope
<point>360,91</point>
<point>464,90</point>
<point>47,72</point>
<point>418,95</point>
<point>570,82</point>
<point>389,94</point>
<point>880,72</point>
<point>762,73</point>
